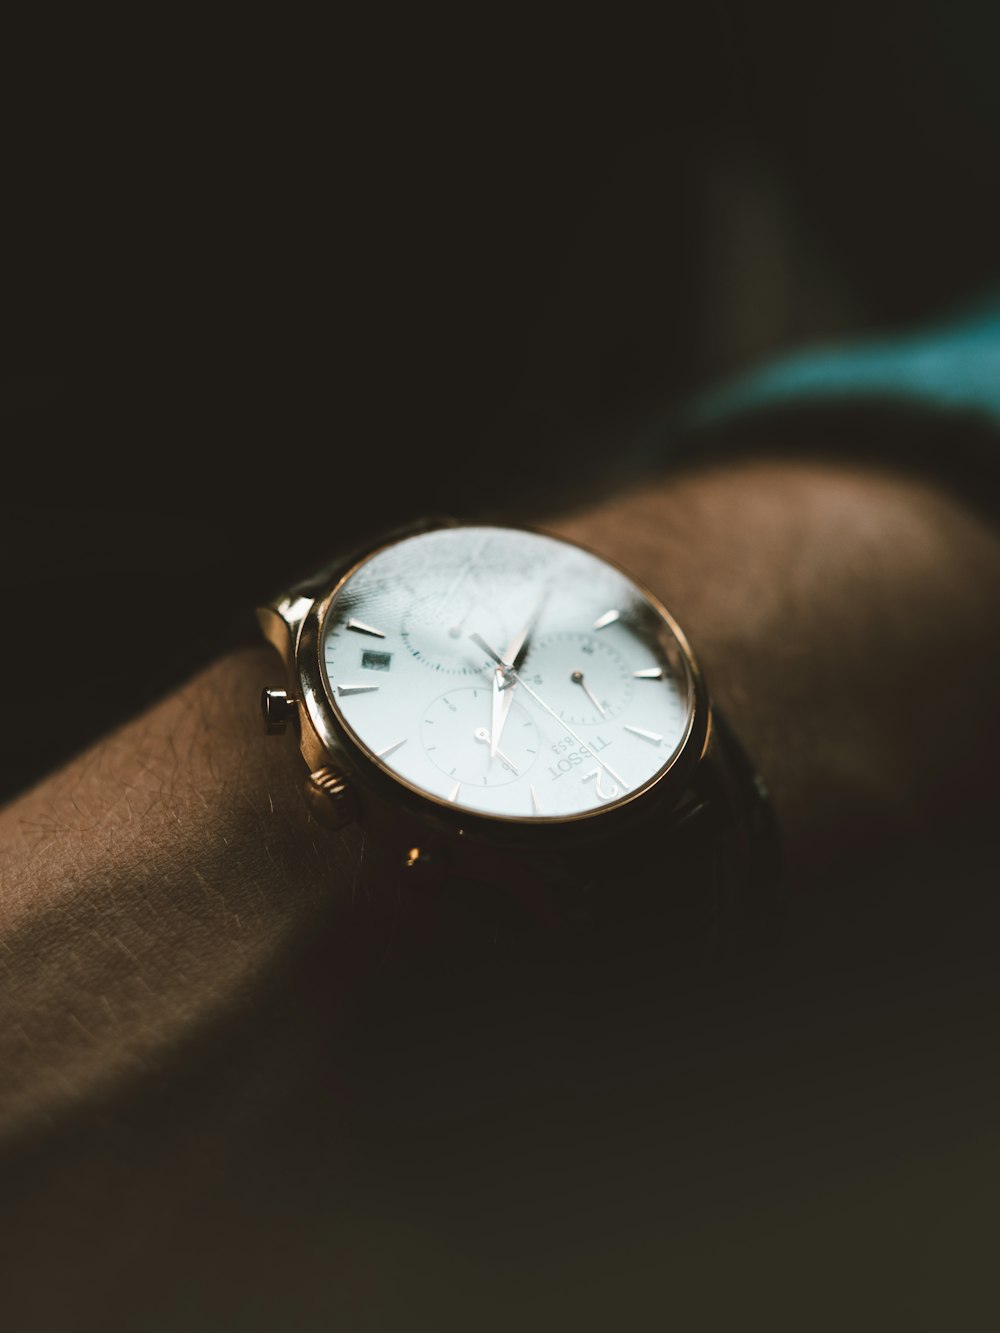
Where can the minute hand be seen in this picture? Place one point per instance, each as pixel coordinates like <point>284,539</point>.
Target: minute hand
<point>502,698</point>
<point>512,677</point>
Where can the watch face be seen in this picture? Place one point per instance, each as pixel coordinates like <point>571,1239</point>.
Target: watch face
<point>506,672</point>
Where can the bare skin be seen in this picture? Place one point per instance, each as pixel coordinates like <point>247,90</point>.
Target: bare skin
<point>157,885</point>
<point>846,620</point>
<point>147,884</point>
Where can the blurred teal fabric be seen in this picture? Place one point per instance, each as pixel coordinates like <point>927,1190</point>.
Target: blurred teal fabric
<point>926,397</point>
<point>954,367</point>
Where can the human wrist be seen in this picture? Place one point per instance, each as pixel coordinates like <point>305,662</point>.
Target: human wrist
<point>829,603</point>
<point>152,885</point>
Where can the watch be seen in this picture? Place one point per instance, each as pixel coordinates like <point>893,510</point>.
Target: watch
<point>523,733</point>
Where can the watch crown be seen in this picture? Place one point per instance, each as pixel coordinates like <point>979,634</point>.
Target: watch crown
<point>278,708</point>
<point>330,798</point>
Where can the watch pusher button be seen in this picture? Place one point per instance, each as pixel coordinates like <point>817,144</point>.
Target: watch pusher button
<point>278,708</point>
<point>330,798</point>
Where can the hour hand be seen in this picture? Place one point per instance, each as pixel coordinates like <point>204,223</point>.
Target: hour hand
<point>498,710</point>
<point>499,703</point>
<point>503,697</point>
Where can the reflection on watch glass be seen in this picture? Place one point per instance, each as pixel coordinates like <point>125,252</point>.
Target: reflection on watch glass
<point>506,672</point>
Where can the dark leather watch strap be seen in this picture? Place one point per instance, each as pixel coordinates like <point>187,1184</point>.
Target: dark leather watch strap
<point>694,882</point>
<point>707,870</point>
<point>695,879</point>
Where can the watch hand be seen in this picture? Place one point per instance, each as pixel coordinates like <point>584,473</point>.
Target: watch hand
<point>568,729</point>
<point>490,652</point>
<point>577,678</point>
<point>511,677</point>
<point>517,649</point>
<point>455,631</point>
<point>481,734</point>
<point>503,690</point>
<point>498,710</point>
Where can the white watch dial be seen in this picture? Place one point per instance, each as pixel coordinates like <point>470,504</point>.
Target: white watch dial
<point>593,700</point>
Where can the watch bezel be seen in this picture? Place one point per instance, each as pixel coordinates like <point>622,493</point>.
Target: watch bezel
<point>369,775</point>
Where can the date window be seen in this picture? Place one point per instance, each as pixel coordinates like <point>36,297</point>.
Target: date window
<point>376,661</point>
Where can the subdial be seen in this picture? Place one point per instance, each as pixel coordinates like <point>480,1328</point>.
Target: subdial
<point>455,732</point>
<point>582,677</point>
<point>436,631</point>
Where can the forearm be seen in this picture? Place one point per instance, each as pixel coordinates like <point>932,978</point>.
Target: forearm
<point>847,622</point>
<point>149,887</point>
<point>158,881</point>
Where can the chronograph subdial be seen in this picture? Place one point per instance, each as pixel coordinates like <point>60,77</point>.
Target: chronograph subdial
<point>585,679</point>
<point>434,631</point>
<point>456,737</point>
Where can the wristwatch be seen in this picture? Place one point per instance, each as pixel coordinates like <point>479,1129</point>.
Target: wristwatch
<point>523,733</point>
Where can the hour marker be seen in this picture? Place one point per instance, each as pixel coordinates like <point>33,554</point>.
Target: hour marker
<point>453,794</point>
<point>649,673</point>
<point>609,770</point>
<point>360,627</point>
<point>356,689</point>
<point>536,808</point>
<point>390,749</point>
<point>608,618</point>
<point>653,736</point>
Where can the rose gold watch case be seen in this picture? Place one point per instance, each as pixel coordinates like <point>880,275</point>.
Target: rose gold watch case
<point>295,626</point>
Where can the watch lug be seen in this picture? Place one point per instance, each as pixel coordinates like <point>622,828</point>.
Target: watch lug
<point>280,624</point>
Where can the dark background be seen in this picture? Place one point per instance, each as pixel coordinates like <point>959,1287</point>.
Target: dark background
<point>273,288</point>
<point>263,302</point>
